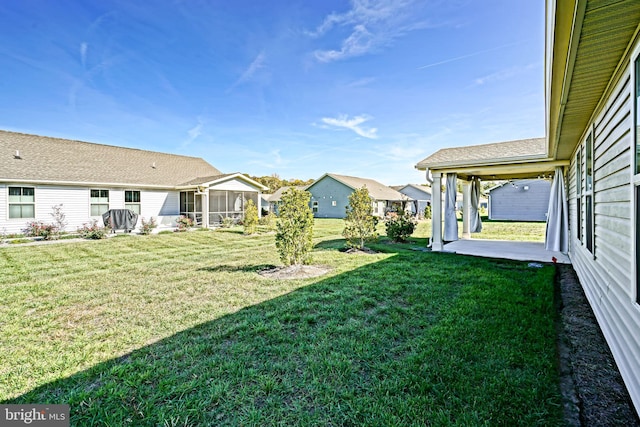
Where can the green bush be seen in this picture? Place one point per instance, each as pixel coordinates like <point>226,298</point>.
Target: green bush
<point>250,222</point>
<point>399,226</point>
<point>268,220</point>
<point>93,231</point>
<point>295,227</point>
<point>227,222</point>
<point>427,212</point>
<point>360,224</point>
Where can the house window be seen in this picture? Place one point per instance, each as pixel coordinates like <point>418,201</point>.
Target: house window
<point>314,206</point>
<point>334,203</point>
<point>579,193</point>
<point>99,202</point>
<point>636,126</point>
<point>22,202</point>
<point>637,115</point>
<point>132,201</point>
<point>588,193</point>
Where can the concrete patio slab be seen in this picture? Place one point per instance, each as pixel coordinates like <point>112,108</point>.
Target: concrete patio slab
<point>503,249</point>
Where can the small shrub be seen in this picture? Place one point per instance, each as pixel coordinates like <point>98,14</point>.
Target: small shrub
<point>146,227</point>
<point>40,229</point>
<point>427,212</point>
<point>250,222</point>
<point>268,220</point>
<point>294,236</point>
<point>399,226</point>
<point>184,223</point>
<point>227,222</point>
<point>59,218</point>
<point>359,222</point>
<point>93,231</point>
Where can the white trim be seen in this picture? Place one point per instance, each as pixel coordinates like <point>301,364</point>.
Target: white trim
<point>635,178</point>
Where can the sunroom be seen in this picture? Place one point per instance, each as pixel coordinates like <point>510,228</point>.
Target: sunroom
<point>209,200</point>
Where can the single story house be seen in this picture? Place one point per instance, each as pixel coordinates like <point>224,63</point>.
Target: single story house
<point>419,194</point>
<point>592,149</point>
<point>330,195</point>
<point>275,198</point>
<point>87,179</point>
<point>520,200</point>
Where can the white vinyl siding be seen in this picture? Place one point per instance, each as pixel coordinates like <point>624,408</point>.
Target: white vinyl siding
<point>607,274</point>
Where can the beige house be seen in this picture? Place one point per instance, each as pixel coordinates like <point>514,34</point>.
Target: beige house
<point>87,179</point>
<point>592,148</point>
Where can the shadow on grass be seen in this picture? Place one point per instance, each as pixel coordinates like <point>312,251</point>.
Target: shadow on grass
<point>237,268</point>
<point>414,339</point>
<point>382,244</point>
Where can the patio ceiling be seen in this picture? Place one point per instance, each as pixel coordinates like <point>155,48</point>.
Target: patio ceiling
<point>587,44</point>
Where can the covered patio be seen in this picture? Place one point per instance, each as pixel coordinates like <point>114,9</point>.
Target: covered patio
<point>518,159</point>
<point>503,249</point>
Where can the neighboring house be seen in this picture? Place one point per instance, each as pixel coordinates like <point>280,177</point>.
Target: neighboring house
<point>330,195</point>
<point>87,179</point>
<point>592,100</point>
<point>276,197</point>
<point>520,200</point>
<point>420,196</point>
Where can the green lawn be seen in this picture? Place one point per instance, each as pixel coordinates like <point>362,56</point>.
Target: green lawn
<point>179,330</point>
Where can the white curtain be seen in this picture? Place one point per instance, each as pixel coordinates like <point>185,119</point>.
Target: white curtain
<point>475,223</point>
<point>450,219</point>
<point>557,235</point>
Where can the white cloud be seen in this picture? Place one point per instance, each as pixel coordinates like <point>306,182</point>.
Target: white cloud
<point>353,124</point>
<point>194,132</point>
<point>84,46</point>
<point>503,74</point>
<point>252,69</point>
<point>374,23</point>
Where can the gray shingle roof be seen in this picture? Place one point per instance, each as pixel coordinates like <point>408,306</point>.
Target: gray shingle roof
<point>376,190</point>
<point>277,195</point>
<point>494,153</point>
<point>46,159</point>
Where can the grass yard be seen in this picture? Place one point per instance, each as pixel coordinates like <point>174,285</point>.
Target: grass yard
<point>178,330</point>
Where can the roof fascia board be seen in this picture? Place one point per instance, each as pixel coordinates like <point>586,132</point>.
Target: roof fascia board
<point>505,161</point>
<point>567,74</point>
<point>529,167</point>
<point>86,184</point>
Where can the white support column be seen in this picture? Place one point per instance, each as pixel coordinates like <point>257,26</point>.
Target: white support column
<point>205,208</point>
<point>466,209</point>
<point>436,212</point>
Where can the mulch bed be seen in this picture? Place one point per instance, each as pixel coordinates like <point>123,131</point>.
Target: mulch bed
<point>592,388</point>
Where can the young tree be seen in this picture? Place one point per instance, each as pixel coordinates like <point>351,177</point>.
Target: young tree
<point>250,218</point>
<point>295,227</point>
<point>360,224</point>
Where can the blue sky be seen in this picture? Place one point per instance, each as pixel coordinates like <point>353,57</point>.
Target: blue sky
<point>298,88</point>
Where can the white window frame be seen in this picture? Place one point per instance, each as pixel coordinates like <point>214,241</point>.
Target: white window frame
<point>21,202</point>
<point>93,203</point>
<point>635,173</point>
<point>314,206</point>
<point>589,193</point>
<point>579,214</point>
<point>136,207</point>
